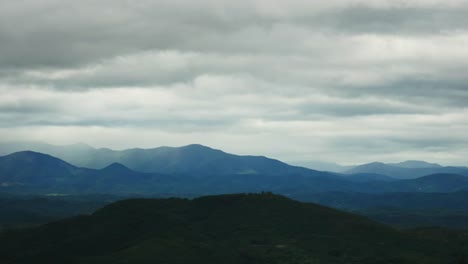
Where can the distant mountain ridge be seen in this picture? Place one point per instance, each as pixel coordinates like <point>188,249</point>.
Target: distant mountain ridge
<point>190,159</point>
<point>415,164</point>
<point>199,159</point>
<point>407,170</point>
<point>32,172</point>
<point>322,166</point>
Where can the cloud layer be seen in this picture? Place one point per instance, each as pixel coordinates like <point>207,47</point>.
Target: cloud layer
<point>345,81</point>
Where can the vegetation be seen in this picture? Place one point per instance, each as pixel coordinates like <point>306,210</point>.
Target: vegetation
<point>25,211</point>
<point>241,228</point>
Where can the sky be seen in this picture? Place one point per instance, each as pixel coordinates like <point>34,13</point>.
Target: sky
<point>341,81</point>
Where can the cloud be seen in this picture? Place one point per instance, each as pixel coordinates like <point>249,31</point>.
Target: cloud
<point>346,81</point>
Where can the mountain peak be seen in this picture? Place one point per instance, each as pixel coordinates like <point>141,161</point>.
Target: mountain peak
<point>29,155</point>
<point>415,164</point>
<point>197,146</point>
<point>375,164</point>
<point>116,167</point>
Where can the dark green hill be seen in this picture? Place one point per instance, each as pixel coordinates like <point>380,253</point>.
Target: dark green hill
<point>256,228</point>
<point>23,211</point>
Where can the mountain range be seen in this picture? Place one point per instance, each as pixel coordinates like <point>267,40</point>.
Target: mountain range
<point>198,159</point>
<point>33,172</point>
<point>406,170</point>
<point>36,188</point>
<point>190,159</point>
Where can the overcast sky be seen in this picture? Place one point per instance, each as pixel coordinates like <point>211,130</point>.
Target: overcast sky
<point>344,81</point>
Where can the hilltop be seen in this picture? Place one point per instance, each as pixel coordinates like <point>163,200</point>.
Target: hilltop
<point>239,228</point>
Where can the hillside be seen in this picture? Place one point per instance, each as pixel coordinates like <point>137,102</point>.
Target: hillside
<point>32,172</point>
<point>34,168</point>
<point>403,209</point>
<point>455,201</point>
<point>19,211</point>
<point>260,228</point>
<point>430,183</point>
<point>368,177</point>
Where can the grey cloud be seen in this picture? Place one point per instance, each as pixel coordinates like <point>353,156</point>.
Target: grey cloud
<point>433,144</point>
<point>27,108</point>
<point>180,125</point>
<point>348,78</point>
<point>59,34</point>
<point>399,20</point>
<point>438,93</point>
<point>356,110</point>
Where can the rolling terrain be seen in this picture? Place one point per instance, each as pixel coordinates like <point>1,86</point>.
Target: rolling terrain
<point>190,159</point>
<point>401,209</point>
<point>199,159</point>
<point>31,172</point>
<point>51,187</point>
<point>241,228</point>
<point>20,211</point>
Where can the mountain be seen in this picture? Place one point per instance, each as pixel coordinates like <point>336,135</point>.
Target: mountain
<point>35,168</point>
<point>432,183</point>
<point>79,152</point>
<point>454,201</point>
<point>369,177</point>
<point>374,183</point>
<point>322,166</point>
<point>402,209</point>
<point>32,172</point>
<point>241,228</point>
<point>414,164</point>
<point>366,168</point>
<point>191,159</point>
<point>435,183</point>
<point>197,159</point>
<point>406,171</point>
